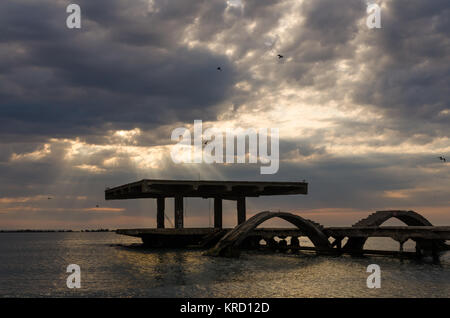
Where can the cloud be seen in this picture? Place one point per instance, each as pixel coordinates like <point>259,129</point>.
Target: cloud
<point>408,64</point>
<point>363,113</point>
<point>66,82</point>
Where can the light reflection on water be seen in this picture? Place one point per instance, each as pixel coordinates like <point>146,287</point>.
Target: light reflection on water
<point>34,264</point>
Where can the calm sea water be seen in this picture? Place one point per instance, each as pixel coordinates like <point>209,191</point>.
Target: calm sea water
<point>34,265</point>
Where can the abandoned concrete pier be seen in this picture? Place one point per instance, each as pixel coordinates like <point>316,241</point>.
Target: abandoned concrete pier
<point>429,239</point>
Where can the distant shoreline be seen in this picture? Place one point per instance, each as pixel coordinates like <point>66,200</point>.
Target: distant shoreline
<point>55,231</point>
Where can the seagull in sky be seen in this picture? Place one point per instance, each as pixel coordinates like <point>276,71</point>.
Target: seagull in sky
<point>442,159</point>
<point>280,56</point>
<point>219,68</point>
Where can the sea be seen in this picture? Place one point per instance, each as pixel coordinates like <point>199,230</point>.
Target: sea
<point>112,265</point>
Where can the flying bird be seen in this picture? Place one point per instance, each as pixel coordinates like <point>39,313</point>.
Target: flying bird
<point>442,159</point>
<point>280,56</point>
<point>219,68</point>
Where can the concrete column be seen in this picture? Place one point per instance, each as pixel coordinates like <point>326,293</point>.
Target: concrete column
<point>179,217</point>
<point>295,242</point>
<point>401,248</point>
<point>339,243</point>
<point>435,252</point>
<point>160,205</point>
<point>218,213</point>
<point>241,210</point>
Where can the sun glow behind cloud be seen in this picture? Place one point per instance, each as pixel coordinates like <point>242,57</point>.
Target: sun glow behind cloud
<point>123,147</point>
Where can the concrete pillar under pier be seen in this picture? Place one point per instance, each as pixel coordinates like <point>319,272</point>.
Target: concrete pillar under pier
<point>241,210</point>
<point>160,205</point>
<point>179,217</point>
<point>435,252</point>
<point>218,213</point>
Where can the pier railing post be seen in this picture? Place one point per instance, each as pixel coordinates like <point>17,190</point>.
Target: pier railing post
<point>179,217</point>
<point>241,210</point>
<point>218,213</point>
<point>160,205</point>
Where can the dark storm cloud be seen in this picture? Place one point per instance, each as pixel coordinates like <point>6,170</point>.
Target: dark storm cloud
<point>409,64</point>
<point>128,67</point>
<point>331,23</point>
<point>58,81</point>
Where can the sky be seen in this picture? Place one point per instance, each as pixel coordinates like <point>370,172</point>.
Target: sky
<point>363,114</point>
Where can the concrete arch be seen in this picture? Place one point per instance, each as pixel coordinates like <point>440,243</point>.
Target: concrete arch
<point>410,218</point>
<point>229,244</point>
